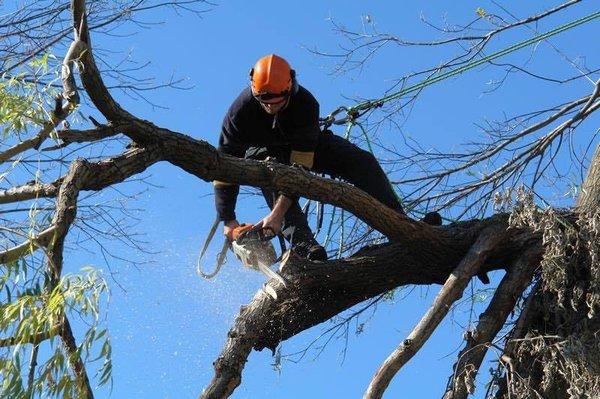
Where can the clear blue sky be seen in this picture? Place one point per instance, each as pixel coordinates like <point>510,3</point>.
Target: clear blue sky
<point>167,325</point>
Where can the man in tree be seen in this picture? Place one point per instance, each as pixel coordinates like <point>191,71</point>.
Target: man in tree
<point>276,117</point>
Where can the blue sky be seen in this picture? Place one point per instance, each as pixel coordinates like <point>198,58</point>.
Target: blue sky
<point>166,324</point>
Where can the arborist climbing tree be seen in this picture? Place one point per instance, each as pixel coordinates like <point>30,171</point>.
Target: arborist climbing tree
<point>278,118</point>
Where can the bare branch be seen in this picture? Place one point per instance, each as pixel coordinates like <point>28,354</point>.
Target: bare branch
<point>449,293</point>
<point>43,239</point>
<point>516,280</point>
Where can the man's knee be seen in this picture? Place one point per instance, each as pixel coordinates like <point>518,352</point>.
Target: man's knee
<point>361,164</point>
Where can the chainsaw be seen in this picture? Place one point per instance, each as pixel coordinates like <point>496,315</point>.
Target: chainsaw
<point>253,248</point>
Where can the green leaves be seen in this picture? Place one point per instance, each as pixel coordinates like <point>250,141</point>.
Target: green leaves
<point>18,110</point>
<point>22,99</point>
<point>32,315</point>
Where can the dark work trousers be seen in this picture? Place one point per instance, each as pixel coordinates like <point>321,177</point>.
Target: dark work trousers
<point>338,158</point>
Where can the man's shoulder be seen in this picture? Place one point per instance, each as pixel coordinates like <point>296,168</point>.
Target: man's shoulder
<point>305,95</point>
<point>244,99</point>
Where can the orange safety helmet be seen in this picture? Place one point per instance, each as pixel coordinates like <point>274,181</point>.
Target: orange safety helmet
<point>272,76</point>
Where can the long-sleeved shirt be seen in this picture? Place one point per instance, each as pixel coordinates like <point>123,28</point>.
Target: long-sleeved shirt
<point>247,124</point>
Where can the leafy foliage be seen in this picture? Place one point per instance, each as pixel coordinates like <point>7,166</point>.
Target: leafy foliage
<point>32,314</point>
<point>20,107</point>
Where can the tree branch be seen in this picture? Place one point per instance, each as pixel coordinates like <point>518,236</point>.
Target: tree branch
<point>69,136</point>
<point>32,339</point>
<point>449,293</point>
<point>102,174</point>
<point>90,75</point>
<point>516,280</point>
<point>66,210</point>
<point>43,239</point>
<point>319,291</point>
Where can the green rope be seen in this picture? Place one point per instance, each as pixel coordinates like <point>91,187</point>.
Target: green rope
<point>348,129</point>
<point>364,132</point>
<point>417,86</point>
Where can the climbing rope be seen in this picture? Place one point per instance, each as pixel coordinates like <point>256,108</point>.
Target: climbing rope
<point>355,112</point>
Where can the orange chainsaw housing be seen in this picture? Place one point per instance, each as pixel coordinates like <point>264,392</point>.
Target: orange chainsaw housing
<point>241,229</point>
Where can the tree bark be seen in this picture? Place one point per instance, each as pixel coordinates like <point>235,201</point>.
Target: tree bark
<point>451,291</point>
<point>554,351</point>
<point>516,280</point>
<point>319,291</point>
<point>589,198</point>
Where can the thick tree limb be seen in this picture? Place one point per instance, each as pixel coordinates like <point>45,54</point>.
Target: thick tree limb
<point>29,191</point>
<point>66,210</point>
<point>321,290</point>
<point>516,280</point>
<point>204,161</point>
<point>451,291</point>
<point>102,174</point>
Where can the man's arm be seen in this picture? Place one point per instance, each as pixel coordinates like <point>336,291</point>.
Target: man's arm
<point>274,219</point>
<point>226,193</point>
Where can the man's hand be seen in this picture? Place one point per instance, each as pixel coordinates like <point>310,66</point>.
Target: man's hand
<point>228,228</point>
<point>271,224</point>
<point>273,221</point>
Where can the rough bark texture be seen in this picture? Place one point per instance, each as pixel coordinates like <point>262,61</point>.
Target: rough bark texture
<point>554,350</point>
<point>589,199</point>
<point>320,291</point>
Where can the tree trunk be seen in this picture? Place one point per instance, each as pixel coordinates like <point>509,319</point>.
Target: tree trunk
<point>589,198</point>
<point>554,352</point>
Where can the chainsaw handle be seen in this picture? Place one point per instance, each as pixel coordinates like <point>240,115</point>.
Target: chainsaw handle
<point>261,231</point>
<point>245,228</point>
<point>240,230</point>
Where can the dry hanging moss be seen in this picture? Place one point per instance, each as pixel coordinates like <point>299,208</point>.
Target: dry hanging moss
<point>570,267</point>
<point>558,354</point>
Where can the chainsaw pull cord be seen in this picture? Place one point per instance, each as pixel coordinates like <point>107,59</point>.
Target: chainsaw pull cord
<point>221,257</point>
